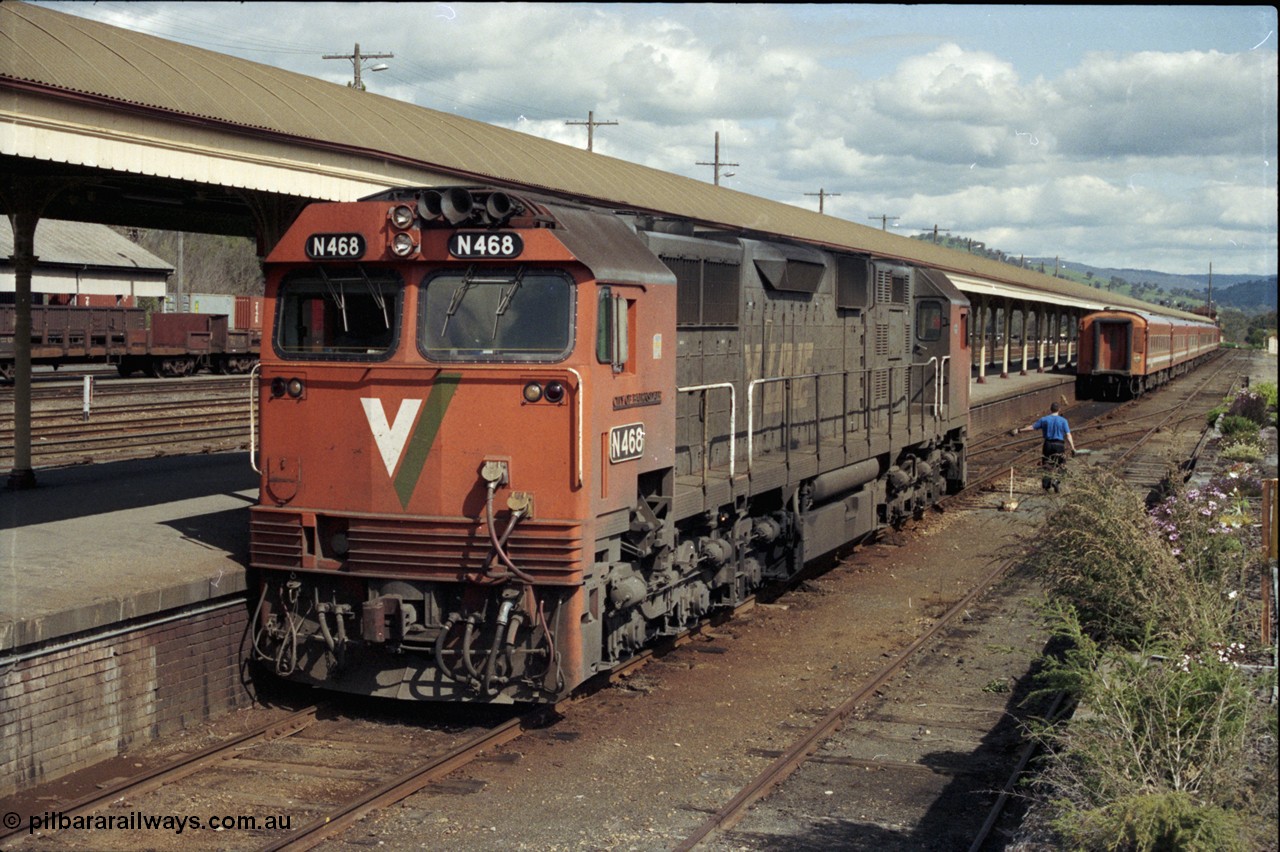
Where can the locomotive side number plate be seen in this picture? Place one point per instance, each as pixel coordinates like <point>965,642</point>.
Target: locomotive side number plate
<point>626,442</point>
<point>335,246</point>
<point>488,244</point>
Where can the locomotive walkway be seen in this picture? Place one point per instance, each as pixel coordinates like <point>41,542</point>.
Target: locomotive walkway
<point>100,553</point>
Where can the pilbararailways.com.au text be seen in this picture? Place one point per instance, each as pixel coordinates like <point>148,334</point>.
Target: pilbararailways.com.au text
<point>139,821</point>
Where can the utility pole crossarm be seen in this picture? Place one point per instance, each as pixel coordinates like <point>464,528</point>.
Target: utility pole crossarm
<point>591,124</point>
<point>717,163</point>
<point>823,195</point>
<point>357,62</point>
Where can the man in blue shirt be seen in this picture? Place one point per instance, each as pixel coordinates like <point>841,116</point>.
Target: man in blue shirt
<point>1057,437</point>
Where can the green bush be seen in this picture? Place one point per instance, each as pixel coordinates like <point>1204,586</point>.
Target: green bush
<point>1236,426</point>
<point>1153,823</point>
<point>1152,758</point>
<point>1267,390</point>
<point>1130,574</point>
<point>1242,450</point>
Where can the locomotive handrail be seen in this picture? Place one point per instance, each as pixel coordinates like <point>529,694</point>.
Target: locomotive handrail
<point>253,418</point>
<point>751,410</point>
<point>942,381</point>
<point>733,424</point>
<point>578,393</point>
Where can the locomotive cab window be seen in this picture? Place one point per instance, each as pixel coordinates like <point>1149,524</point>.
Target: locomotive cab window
<point>330,313</point>
<point>928,321</point>
<point>613,342</point>
<point>488,314</point>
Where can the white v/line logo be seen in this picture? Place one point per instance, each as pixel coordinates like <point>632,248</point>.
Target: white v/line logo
<point>391,438</point>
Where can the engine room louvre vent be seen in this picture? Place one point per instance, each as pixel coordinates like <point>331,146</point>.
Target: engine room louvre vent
<point>852,282</point>
<point>884,285</point>
<point>882,338</point>
<point>901,287</point>
<point>880,387</point>
<point>706,291</point>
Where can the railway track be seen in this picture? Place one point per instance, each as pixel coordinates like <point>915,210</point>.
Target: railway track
<point>131,419</point>
<point>889,747</point>
<point>334,766</point>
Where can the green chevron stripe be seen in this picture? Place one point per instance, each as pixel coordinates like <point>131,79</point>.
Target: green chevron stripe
<point>424,435</point>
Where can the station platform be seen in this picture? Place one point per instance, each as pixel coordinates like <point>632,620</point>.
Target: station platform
<point>100,545</point>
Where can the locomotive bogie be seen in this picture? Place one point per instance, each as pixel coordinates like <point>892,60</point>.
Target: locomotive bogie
<point>561,434</point>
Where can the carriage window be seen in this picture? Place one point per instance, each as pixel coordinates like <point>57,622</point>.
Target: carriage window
<point>338,313</point>
<point>509,314</point>
<point>928,321</point>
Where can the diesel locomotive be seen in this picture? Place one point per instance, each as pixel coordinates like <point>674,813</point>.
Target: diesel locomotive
<point>1124,353</point>
<point>507,441</point>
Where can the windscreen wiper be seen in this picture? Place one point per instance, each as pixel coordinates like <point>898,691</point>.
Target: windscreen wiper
<point>505,302</point>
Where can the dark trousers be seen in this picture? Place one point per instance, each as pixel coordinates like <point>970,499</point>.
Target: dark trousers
<point>1052,457</point>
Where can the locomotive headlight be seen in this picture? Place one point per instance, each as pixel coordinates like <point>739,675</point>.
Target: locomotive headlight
<point>295,388</point>
<point>554,391</point>
<point>402,245</point>
<point>532,392</point>
<point>402,216</point>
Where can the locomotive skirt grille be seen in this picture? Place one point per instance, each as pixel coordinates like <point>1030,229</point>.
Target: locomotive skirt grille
<point>418,548</point>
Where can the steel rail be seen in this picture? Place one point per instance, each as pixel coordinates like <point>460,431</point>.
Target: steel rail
<point>403,786</point>
<point>186,765</point>
<point>794,757</point>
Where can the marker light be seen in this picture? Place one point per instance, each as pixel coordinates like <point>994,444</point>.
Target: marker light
<point>295,388</point>
<point>554,392</point>
<point>402,216</point>
<point>402,245</point>
<point>532,392</point>
<point>278,387</point>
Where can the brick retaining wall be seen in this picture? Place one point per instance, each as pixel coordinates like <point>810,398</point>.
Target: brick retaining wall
<point>71,708</point>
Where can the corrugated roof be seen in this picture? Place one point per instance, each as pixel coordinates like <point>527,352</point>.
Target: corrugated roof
<point>54,51</point>
<point>83,244</point>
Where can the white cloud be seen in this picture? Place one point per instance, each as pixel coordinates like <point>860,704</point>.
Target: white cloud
<point>993,122</point>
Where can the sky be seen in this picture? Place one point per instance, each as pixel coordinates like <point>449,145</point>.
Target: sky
<point>1128,137</point>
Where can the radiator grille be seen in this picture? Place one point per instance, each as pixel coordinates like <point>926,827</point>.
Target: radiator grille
<point>445,549</point>
<point>275,541</point>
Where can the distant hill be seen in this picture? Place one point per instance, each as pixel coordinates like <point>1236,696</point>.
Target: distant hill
<point>1250,296</point>
<point>1198,283</point>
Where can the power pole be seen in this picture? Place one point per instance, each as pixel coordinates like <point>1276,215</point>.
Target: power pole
<point>935,233</point>
<point>357,62</point>
<point>591,124</point>
<point>884,220</point>
<point>823,195</point>
<point>717,162</point>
